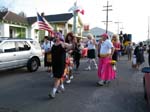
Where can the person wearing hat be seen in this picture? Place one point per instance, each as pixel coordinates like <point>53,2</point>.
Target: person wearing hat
<point>105,70</point>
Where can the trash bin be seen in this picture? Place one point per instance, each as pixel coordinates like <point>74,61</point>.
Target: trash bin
<point>146,82</point>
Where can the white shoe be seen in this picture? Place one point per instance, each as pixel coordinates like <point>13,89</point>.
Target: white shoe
<point>62,89</point>
<point>68,81</point>
<point>71,77</point>
<point>100,83</point>
<point>52,95</point>
<point>88,68</point>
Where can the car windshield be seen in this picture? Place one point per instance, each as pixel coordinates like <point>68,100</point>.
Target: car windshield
<point>35,44</point>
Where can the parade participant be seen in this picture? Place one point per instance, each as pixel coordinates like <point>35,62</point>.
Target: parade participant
<point>58,62</point>
<point>91,45</point>
<point>129,50</point>
<point>139,53</point>
<point>116,44</point>
<point>105,70</point>
<point>69,37</point>
<point>47,45</point>
<point>77,54</point>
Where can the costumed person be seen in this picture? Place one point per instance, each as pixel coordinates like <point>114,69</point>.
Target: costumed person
<point>91,55</point>
<point>116,44</point>
<point>47,45</point>
<point>58,63</point>
<point>77,54</point>
<point>106,73</point>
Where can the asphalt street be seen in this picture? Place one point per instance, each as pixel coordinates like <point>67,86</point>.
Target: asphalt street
<point>21,91</point>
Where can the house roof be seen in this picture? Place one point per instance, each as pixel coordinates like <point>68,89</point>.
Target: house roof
<point>99,31</point>
<point>53,18</point>
<point>13,18</point>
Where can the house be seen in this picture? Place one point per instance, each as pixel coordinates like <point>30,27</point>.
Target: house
<point>96,31</point>
<point>13,25</point>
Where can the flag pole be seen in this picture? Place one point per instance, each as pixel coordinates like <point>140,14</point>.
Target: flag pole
<point>75,19</point>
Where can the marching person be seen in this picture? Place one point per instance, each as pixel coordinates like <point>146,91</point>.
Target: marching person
<point>139,53</point>
<point>116,44</point>
<point>91,55</point>
<point>58,63</point>
<point>105,70</point>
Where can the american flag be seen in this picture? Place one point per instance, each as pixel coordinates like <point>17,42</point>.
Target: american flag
<point>44,25</point>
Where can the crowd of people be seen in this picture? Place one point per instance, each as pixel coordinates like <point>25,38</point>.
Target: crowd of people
<point>61,55</point>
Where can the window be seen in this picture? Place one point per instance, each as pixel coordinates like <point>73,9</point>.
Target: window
<point>9,47</point>
<point>22,46</point>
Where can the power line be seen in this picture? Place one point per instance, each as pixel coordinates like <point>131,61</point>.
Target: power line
<point>118,24</point>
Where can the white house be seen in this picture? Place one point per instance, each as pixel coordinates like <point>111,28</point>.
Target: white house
<point>13,25</point>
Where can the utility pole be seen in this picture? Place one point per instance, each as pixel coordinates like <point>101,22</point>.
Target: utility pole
<point>107,10</point>
<point>118,25</point>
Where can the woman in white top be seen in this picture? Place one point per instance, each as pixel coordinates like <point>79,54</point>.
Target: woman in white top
<point>105,70</point>
<point>91,55</point>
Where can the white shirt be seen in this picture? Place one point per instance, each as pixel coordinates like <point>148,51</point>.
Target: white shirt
<point>106,47</point>
<point>91,44</point>
<point>47,46</point>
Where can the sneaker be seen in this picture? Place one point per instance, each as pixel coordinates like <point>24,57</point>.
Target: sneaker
<point>58,91</point>
<point>71,77</point>
<point>107,82</point>
<point>68,81</point>
<point>52,95</point>
<point>100,83</point>
<point>88,68</point>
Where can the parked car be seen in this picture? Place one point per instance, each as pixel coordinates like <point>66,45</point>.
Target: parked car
<point>15,53</point>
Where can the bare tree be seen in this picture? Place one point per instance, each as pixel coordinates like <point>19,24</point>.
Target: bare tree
<point>22,14</point>
<point>3,9</point>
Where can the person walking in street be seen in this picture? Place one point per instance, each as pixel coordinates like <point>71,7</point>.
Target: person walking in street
<point>105,69</point>
<point>139,53</point>
<point>58,62</point>
<point>116,44</point>
<point>91,45</point>
<point>77,54</point>
<point>129,51</point>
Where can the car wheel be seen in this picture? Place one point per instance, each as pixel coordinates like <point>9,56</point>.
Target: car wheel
<point>33,65</point>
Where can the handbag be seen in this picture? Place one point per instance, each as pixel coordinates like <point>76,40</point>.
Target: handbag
<point>49,57</point>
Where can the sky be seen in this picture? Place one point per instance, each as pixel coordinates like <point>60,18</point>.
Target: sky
<point>132,15</point>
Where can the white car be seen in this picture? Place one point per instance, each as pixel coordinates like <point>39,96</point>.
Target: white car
<point>15,53</point>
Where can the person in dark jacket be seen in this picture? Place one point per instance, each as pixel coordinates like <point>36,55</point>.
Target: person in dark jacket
<point>139,53</point>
